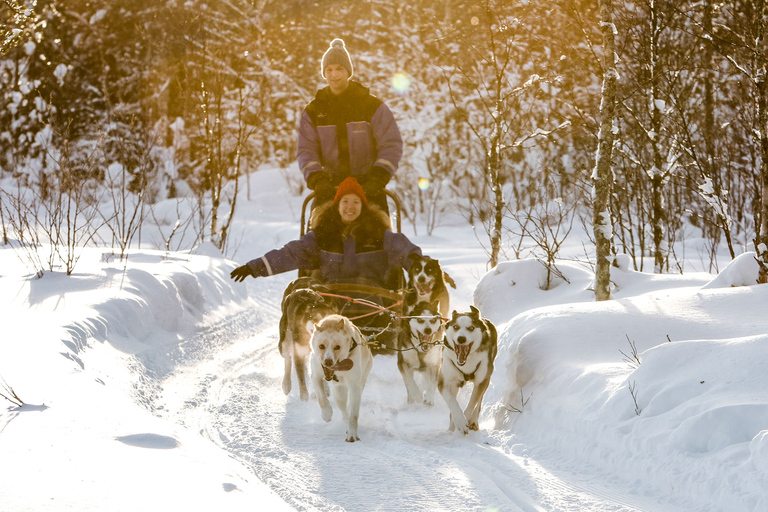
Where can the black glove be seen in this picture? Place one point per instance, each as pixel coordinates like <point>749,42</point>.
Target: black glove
<point>375,180</point>
<point>241,272</point>
<point>320,182</point>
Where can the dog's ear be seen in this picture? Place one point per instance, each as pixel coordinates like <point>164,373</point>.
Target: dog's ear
<point>449,280</point>
<point>490,330</point>
<point>454,315</point>
<point>341,324</point>
<point>474,311</point>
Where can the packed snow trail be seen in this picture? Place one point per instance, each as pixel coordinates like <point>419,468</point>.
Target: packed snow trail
<point>228,387</point>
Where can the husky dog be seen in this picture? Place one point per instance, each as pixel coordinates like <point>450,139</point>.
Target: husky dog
<point>302,308</point>
<point>421,350</point>
<point>470,348</point>
<point>426,281</point>
<point>340,358</point>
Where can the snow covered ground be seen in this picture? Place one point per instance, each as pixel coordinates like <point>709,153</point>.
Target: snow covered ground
<point>154,385</point>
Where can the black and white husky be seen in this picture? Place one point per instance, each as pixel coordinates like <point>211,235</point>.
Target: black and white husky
<point>420,350</point>
<point>470,348</point>
<point>427,283</point>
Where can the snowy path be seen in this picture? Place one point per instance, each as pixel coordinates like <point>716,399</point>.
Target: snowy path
<point>407,460</point>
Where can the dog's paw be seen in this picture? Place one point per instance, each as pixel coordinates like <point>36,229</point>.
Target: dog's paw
<point>327,413</point>
<point>304,395</point>
<point>461,425</point>
<point>473,426</point>
<point>352,438</point>
<point>287,385</point>
<point>429,402</point>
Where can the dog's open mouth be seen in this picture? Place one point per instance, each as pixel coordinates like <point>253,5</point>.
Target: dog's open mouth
<point>462,353</point>
<point>424,288</point>
<point>342,366</point>
<point>425,342</point>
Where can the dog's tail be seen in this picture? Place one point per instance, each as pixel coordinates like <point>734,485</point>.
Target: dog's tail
<point>449,280</point>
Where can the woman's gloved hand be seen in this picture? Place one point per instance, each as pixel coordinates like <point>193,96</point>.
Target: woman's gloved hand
<point>241,272</point>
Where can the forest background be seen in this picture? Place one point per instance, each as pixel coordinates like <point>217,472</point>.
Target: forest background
<point>119,115</point>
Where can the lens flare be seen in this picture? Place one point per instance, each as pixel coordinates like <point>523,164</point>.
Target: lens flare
<point>423,183</point>
<point>401,82</point>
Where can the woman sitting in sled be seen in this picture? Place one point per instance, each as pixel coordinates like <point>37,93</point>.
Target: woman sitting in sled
<point>351,242</point>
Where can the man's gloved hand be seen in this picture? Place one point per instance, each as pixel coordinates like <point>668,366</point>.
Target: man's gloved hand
<point>320,182</point>
<point>240,273</point>
<point>375,180</point>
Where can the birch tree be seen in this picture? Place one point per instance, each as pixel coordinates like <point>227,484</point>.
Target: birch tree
<point>602,178</point>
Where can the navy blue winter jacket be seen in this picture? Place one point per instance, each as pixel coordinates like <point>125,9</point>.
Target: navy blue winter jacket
<point>376,265</point>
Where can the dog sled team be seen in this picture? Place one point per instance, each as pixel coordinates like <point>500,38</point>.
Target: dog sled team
<point>351,242</point>
<point>349,147</point>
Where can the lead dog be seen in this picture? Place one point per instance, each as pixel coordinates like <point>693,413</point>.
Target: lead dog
<point>302,308</point>
<point>427,283</point>
<point>421,350</point>
<point>470,348</point>
<point>340,358</point>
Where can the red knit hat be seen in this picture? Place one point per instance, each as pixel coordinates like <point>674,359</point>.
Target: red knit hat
<point>350,186</point>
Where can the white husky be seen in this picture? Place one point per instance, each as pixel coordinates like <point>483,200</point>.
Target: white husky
<point>341,358</point>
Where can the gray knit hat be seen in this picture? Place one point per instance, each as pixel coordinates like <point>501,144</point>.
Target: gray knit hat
<point>337,54</point>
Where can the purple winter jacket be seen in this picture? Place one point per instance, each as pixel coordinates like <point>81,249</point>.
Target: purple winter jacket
<point>337,267</point>
<point>348,134</point>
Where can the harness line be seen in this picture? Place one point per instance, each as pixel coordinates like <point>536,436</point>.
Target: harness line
<point>381,309</point>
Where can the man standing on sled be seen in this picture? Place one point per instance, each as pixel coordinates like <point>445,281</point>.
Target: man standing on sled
<point>345,131</point>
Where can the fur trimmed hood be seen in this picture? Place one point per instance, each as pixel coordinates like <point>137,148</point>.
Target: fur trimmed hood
<point>368,230</point>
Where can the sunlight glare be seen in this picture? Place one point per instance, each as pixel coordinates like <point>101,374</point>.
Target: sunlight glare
<point>423,183</point>
<point>401,82</point>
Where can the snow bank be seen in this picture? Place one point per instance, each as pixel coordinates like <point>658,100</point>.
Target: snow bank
<point>667,386</point>
<point>84,353</point>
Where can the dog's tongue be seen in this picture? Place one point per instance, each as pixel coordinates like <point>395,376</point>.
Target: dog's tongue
<point>425,342</point>
<point>462,352</point>
<point>424,289</point>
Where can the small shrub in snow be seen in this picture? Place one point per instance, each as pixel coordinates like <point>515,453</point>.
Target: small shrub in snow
<point>633,359</point>
<point>9,394</point>
<point>633,392</point>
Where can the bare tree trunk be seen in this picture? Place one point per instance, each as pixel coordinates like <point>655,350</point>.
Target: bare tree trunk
<point>494,164</point>
<point>658,174</point>
<point>762,119</point>
<point>761,244</point>
<point>709,128</point>
<point>603,176</point>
